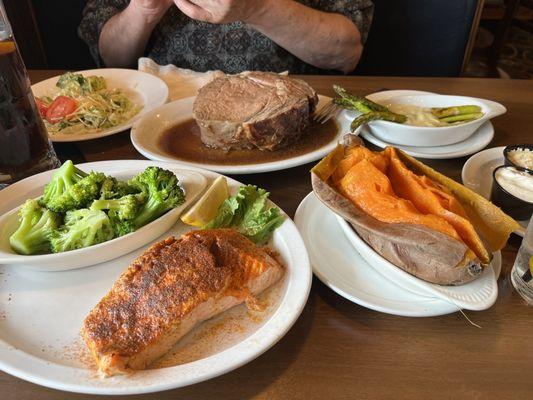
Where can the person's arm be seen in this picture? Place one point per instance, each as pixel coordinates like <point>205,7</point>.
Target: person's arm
<point>325,40</point>
<point>124,37</point>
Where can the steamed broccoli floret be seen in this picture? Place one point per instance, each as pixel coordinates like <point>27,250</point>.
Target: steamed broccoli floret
<point>161,192</point>
<point>62,180</point>
<point>71,188</point>
<point>33,233</point>
<point>82,228</point>
<point>113,189</point>
<point>121,227</point>
<point>123,208</point>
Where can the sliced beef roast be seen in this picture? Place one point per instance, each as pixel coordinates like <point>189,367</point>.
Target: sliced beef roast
<point>253,110</point>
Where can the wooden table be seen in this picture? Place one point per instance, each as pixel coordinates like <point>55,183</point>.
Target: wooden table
<point>338,349</point>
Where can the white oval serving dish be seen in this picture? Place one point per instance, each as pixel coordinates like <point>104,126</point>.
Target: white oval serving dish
<point>479,294</point>
<point>192,182</point>
<point>422,136</point>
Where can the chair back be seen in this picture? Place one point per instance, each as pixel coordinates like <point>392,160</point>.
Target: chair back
<point>419,37</point>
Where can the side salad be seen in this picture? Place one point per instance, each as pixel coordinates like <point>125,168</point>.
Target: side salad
<point>80,209</point>
<point>84,103</point>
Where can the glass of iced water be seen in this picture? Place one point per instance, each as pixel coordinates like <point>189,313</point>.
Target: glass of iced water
<point>522,272</point>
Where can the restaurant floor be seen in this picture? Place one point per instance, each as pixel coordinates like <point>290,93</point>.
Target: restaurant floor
<point>516,59</point>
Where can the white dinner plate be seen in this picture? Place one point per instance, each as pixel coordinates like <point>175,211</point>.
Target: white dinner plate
<point>147,131</point>
<point>477,174</point>
<point>340,267</point>
<point>479,140</point>
<point>192,182</point>
<point>145,90</point>
<point>41,314</point>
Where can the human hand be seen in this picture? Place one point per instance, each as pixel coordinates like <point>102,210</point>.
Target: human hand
<point>151,9</point>
<point>221,11</point>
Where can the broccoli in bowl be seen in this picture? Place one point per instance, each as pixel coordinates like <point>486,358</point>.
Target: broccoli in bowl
<point>79,209</point>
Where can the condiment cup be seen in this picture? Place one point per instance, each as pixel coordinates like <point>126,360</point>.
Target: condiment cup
<point>512,147</point>
<point>517,208</point>
<point>424,136</point>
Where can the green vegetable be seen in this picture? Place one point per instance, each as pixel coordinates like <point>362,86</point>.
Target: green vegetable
<point>112,188</point>
<point>247,212</point>
<point>455,110</point>
<point>161,191</point>
<point>97,107</point>
<point>36,225</point>
<point>461,118</point>
<point>71,188</point>
<point>82,228</point>
<point>376,115</point>
<point>123,208</point>
<point>369,110</point>
<point>74,85</point>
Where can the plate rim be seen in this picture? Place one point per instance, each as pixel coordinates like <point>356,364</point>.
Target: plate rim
<point>443,156</point>
<point>241,353</point>
<point>117,129</point>
<point>449,308</point>
<point>243,169</point>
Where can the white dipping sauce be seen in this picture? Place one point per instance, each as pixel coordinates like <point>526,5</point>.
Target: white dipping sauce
<point>521,157</point>
<point>518,183</point>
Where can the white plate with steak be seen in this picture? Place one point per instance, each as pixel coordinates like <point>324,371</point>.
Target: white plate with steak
<point>42,313</point>
<point>246,123</point>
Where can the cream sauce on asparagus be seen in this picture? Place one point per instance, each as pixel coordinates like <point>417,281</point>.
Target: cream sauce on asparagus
<point>416,116</point>
<point>419,116</point>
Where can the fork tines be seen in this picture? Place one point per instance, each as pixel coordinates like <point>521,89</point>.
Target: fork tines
<point>326,112</point>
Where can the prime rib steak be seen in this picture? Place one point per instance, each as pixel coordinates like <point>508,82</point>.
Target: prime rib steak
<point>250,110</point>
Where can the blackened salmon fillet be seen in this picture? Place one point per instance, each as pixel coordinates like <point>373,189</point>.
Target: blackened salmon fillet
<point>168,290</point>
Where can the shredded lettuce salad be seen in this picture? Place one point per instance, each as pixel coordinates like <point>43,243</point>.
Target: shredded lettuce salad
<point>97,107</point>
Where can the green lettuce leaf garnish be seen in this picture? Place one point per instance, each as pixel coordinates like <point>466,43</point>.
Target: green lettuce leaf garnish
<point>247,212</point>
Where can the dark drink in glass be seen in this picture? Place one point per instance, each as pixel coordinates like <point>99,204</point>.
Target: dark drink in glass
<point>24,145</point>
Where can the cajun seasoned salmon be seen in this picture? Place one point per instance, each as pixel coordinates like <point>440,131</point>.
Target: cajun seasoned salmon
<point>168,290</point>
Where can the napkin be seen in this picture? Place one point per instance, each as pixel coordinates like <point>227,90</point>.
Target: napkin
<point>181,82</point>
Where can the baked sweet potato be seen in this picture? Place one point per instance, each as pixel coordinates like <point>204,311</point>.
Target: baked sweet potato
<point>410,214</point>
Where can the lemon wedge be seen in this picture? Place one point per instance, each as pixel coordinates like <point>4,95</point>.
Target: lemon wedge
<point>206,208</point>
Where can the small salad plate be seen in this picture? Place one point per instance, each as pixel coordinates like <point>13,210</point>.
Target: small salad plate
<point>474,143</point>
<point>340,267</point>
<point>143,89</point>
<point>147,132</point>
<point>42,313</point>
<point>477,174</point>
<point>193,183</point>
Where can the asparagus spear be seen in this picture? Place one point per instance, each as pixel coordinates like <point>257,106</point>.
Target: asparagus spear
<point>357,100</point>
<point>375,115</point>
<point>442,112</point>
<point>462,117</point>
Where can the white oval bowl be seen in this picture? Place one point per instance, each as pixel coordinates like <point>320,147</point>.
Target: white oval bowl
<point>476,295</point>
<point>426,136</point>
<point>193,184</point>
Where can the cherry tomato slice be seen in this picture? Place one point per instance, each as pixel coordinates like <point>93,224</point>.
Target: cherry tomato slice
<point>60,108</point>
<point>42,106</point>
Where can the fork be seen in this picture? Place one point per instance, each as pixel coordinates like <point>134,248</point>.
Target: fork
<point>326,112</point>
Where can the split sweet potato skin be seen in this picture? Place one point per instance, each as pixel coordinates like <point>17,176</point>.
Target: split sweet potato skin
<point>423,252</point>
<point>442,248</point>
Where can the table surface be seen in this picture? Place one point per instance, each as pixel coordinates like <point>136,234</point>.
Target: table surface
<point>338,349</point>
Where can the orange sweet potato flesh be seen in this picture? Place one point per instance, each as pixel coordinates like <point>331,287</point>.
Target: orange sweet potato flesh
<point>383,187</point>
<point>371,190</point>
<point>431,198</point>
